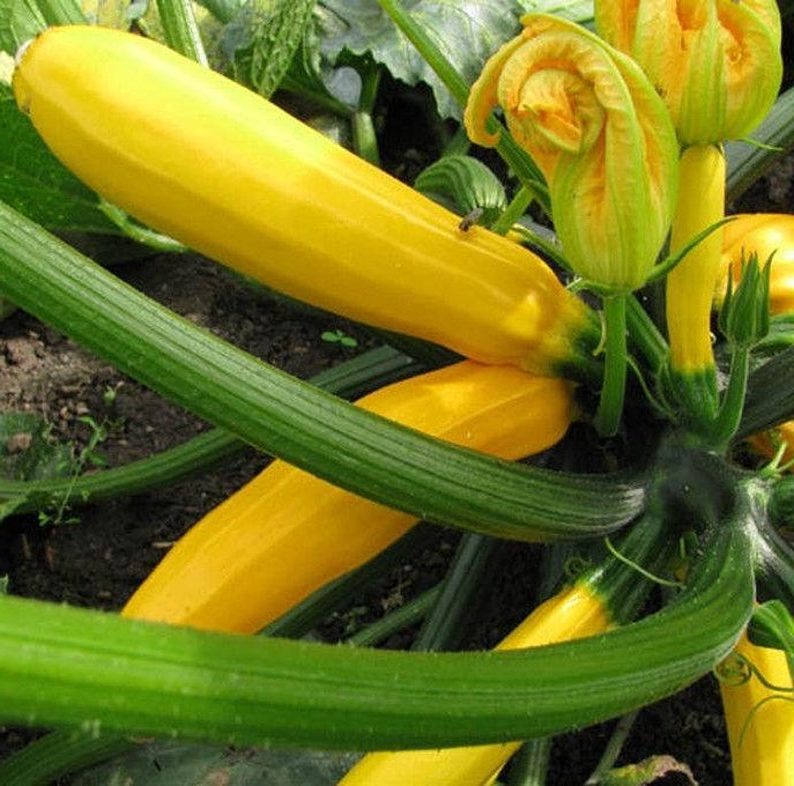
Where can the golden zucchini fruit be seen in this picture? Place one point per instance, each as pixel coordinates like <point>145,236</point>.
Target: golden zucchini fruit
<point>201,158</point>
<point>760,720</point>
<point>575,612</point>
<point>287,533</point>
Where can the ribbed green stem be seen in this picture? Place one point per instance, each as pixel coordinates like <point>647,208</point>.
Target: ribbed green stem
<point>67,666</point>
<point>531,763</point>
<point>373,368</point>
<point>613,391</point>
<point>181,29</point>
<point>63,752</point>
<point>399,619</point>
<point>278,414</point>
<point>767,402</point>
<point>61,12</point>
<point>444,624</point>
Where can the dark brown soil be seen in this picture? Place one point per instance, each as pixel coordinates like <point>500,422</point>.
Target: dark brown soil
<point>98,560</point>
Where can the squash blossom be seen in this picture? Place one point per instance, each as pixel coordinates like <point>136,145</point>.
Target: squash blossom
<point>716,63</point>
<point>600,134</point>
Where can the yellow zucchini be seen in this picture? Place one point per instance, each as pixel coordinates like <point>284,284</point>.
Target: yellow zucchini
<point>286,533</point>
<point>196,156</point>
<point>761,735</point>
<point>574,613</point>
<point>765,234</point>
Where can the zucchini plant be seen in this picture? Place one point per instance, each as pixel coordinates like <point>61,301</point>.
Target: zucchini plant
<point>618,137</point>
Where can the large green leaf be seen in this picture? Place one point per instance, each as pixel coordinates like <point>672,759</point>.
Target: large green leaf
<point>466,31</point>
<point>34,182</point>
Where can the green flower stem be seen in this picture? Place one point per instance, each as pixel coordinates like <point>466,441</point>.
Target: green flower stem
<point>181,29</point>
<point>729,416</point>
<point>610,406</point>
<point>347,446</point>
<point>517,207</point>
<point>373,368</point>
<point>138,233</point>
<point>61,12</point>
<point>613,748</point>
<point>518,160</point>
<point>64,666</point>
<point>365,141</point>
<point>399,619</point>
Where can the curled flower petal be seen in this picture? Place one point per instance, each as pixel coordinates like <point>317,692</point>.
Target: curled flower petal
<point>601,136</point>
<point>716,63</point>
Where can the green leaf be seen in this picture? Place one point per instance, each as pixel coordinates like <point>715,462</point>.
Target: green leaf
<point>347,446</point>
<point>467,32</point>
<point>27,452</point>
<point>172,764</point>
<point>580,11</point>
<point>467,184</point>
<point>34,182</point>
<point>276,31</point>
<point>20,20</point>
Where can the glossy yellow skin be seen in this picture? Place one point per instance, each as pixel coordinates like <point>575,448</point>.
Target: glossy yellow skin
<point>690,285</point>
<point>764,754</point>
<point>574,613</point>
<point>764,234</point>
<point>287,533</point>
<point>198,157</point>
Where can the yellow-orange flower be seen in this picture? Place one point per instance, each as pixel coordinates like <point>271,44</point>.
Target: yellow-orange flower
<point>716,63</point>
<point>600,134</point>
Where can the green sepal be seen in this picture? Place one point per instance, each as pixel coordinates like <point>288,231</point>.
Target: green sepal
<point>64,666</point>
<point>466,184</point>
<point>744,316</point>
<point>354,449</point>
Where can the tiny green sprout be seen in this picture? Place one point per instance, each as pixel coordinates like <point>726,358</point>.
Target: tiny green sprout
<point>338,337</point>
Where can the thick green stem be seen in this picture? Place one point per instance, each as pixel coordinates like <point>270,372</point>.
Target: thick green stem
<point>181,29</point>
<point>343,444</point>
<point>610,406</point>
<point>517,207</point>
<point>66,666</point>
<point>531,764</point>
